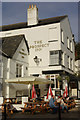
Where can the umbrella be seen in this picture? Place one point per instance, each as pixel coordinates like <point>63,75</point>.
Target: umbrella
<point>49,92</point>
<point>33,92</point>
<point>29,80</point>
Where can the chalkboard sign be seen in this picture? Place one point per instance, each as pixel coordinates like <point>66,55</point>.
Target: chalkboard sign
<point>57,93</point>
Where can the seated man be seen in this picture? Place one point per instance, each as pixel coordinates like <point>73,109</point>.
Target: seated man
<point>63,104</point>
<point>52,103</point>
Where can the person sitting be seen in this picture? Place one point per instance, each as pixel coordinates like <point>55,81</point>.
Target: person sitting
<point>52,104</point>
<point>63,104</point>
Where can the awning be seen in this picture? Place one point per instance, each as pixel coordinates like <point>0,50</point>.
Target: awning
<point>29,80</point>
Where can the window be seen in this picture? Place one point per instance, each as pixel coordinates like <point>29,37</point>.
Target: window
<point>62,36</point>
<point>62,58</point>
<point>1,69</point>
<point>71,47</point>
<point>18,70</point>
<point>68,61</point>
<point>53,33</point>
<point>71,63</point>
<point>54,57</point>
<point>68,44</point>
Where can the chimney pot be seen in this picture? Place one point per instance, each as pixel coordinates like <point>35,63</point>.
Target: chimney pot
<point>35,6</point>
<point>32,15</point>
<point>29,6</point>
<point>32,6</point>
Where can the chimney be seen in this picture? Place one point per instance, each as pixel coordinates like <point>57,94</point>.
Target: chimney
<point>32,15</point>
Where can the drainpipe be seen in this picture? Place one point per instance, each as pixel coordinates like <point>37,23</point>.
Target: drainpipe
<point>55,81</point>
<point>68,88</point>
<point>77,89</point>
<point>8,77</point>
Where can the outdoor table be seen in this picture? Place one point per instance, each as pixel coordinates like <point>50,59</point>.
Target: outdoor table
<point>30,104</point>
<point>41,106</point>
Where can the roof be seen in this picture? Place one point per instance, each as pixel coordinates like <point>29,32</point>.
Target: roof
<point>10,45</point>
<point>40,22</point>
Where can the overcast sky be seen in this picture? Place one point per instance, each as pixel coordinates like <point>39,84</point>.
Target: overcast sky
<point>15,12</point>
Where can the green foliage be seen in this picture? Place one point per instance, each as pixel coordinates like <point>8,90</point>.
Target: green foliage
<point>67,78</point>
<point>77,51</point>
<point>59,78</point>
<point>79,74</point>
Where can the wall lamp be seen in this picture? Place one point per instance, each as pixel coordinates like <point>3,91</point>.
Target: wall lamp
<point>37,60</point>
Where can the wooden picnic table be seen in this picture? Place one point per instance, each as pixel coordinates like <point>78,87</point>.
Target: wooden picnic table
<point>35,107</point>
<point>9,107</point>
<point>11,100</point>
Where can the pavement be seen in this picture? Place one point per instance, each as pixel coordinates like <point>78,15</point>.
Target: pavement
<point>74,114</point>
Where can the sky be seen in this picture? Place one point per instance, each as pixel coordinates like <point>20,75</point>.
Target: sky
<point>16,12</point>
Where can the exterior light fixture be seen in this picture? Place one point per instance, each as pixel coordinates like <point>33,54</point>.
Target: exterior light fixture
<point>37,60</point>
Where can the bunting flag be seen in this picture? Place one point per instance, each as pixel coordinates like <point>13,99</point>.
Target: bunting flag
<point>65,92</point>
<point>49,92</point>
<point>33,92</point>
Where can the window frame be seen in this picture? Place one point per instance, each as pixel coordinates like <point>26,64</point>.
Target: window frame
<point>54,58</point>
<point>19,70</point>
<point>62,36</point>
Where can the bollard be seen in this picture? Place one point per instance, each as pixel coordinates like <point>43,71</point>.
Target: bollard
<point>59,112</point>
<point>4,111</point>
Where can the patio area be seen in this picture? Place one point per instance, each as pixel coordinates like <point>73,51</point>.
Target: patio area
<point>74,114</point>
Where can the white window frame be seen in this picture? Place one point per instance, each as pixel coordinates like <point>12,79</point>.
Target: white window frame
<point>51,34</point>
<point>71,46</point>
<point>62,58</point>
<point>62,36</point>
<point>68,42</point>
<point>68,61</point>
<point>19,70</point>
<point>71,63</point>
<point>54,57</point>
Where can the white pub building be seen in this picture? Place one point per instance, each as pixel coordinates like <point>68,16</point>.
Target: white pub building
<point>51,47</point>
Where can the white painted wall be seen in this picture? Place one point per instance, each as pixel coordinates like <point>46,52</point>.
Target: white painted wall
<point>5,70</point>
<point>9,68</point>
<point>39,36</point>
<point>43,34</point>
<point>65,26</point>
<point>41,40</point>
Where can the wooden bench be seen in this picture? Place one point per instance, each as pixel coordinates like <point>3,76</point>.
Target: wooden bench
<point>27,109</point>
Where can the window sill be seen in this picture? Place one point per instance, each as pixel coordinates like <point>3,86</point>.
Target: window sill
<point>68,48</point>
<point>53,41</point>
<point>62,42</point>
<point>54,65</point>
<point>71,51</point>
